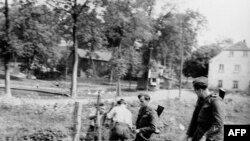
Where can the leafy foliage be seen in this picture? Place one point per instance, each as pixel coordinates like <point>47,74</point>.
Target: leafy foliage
<point>177,31</point>
<point>124,25</point>
<point>47,135</point>
<point>114,25</point>
<point>32,34</point>
<point>197,65</point>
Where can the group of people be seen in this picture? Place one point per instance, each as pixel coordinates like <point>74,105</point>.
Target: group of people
<point>206,123</point>
<point>122,127</point>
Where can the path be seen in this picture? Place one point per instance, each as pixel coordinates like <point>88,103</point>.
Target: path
<point>187,95</point>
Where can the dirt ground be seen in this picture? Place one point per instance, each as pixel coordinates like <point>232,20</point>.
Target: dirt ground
<point>37,116</point>
<point>31,116</point>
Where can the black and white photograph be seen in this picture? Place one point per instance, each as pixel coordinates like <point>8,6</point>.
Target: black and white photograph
<point>124,70</point>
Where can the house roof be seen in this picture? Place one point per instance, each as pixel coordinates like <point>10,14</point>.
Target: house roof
<point>240,46</point>
<point>97,55</point>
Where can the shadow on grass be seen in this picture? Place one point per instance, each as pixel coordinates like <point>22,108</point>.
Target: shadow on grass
<point>2,76</point>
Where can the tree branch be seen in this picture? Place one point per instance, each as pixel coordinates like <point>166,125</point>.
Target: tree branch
<point>84,5</point>
<point>57,2</point>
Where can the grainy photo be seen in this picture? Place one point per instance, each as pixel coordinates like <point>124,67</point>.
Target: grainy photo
<point>124,70</point>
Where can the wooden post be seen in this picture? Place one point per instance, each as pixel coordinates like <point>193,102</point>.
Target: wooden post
<point>118,87</point>
<point>78,120</point>
<point>181,64</point>
<point>99,133</point>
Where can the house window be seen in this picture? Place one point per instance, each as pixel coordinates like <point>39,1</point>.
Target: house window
<point>220,83</point>
<point>245,53</point>
<point>236,68</point>
<point>231,53</point>
<point>235,84</point>
<point>221,68</point>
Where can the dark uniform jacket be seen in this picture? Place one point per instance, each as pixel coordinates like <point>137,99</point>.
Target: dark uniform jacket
<point>208,119</point>
<point>146,121</point>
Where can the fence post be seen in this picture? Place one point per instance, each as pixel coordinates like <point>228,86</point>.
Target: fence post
<point>98,118</point>
<point>77,120</point>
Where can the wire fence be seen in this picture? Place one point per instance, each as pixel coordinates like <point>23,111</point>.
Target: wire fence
<point>86,134</point>
<point>56,122</point>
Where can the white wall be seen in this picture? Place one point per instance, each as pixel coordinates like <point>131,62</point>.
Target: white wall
<point>229,75</point>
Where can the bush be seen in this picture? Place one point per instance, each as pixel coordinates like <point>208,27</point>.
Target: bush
<point>47,135</point>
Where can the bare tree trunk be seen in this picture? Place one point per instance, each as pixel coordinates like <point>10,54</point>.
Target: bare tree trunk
<point>119,77</point>
<point>74,74</point>
<point>66,70</point>
<point>67,63</point>
<point>119,86</point>
<point>7,77</point>
<point>76,59</point>
<point>181,63</point>
<point>111,76</point>
<point>164,60</point>
<point>130,82</point>
<point>78,120</point>
<point>93,67</point>
<point>7,57</point>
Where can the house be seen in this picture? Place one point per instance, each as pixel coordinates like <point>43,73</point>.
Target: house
<point>99,59</point>
<point>230,69</point>
<point>161,78</point>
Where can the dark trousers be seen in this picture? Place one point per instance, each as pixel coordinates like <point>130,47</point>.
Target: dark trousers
<point>93,136</point>
<point>143,137</point>
<point>140,138</point>
<point>120,132</point>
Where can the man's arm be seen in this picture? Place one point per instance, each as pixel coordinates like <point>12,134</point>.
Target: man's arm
<point>193,123</point>
<point>111,114</point>
<point>218,117</point>
<point>130,123</point>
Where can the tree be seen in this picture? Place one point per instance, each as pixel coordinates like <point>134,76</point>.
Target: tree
<point>178,31</point>
<point>34,35</point>
<point>125,25</point>
<point>6,48</point>
<point>74,10</point>
<point>197,65</point>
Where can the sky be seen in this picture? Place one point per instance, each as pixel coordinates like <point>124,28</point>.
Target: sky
<point>226,18</point>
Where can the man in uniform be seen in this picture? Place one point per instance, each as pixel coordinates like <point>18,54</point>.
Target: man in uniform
<point>146,120</point>
<point>208,116</point>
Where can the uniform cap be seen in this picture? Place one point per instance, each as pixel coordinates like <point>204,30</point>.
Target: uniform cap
<point>200,81</point>
<point>146,96</point>
<point>121,101</point>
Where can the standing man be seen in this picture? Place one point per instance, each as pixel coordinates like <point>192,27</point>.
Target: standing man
<point>146,120</point>
<point>122,122</point>
<point>208,116</point>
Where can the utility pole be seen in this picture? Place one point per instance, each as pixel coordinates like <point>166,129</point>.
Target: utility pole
<point>119,77</point>
<point>149,60</point>
<point>181,64</point>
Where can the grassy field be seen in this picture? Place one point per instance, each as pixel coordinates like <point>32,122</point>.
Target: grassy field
<point>34,122</point>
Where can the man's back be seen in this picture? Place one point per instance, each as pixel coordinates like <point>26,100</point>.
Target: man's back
<point>121,114</point>
<point>211,117</point>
